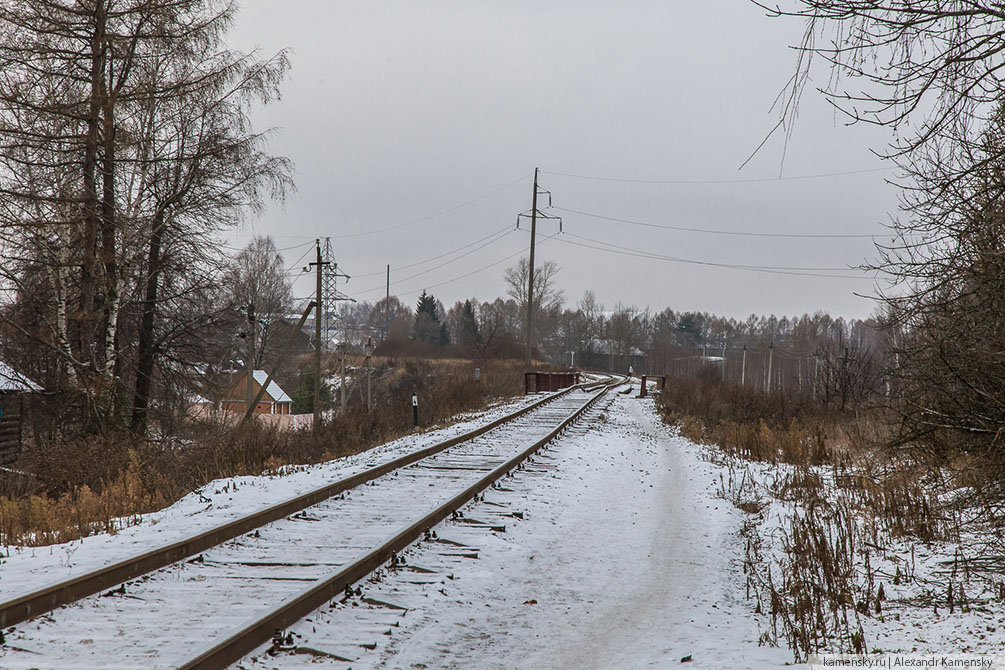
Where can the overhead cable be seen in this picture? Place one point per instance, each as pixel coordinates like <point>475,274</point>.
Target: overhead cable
<point>435,258</point>
<point>432,216</point>
<point>753,180</point>
<point>495,238</point>
<point>611,248</point>
<point>712,231</point>
<point>475,271</point>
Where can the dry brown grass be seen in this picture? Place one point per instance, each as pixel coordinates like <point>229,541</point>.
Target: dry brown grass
<point>849,497</point>
<point>79,487</point>
<point>41,519</point>
<point>750,424</point>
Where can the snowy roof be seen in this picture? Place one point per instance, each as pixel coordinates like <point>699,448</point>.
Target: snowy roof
<point>278,394</point>
<point>601,346</point>
<point>12,381</point>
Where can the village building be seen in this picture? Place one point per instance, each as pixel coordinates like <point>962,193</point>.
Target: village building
<point>274,401</point>
<point>14,388</point>
<point>608,356</point>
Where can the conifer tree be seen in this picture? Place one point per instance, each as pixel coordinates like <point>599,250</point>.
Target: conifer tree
<point>427,327</point>
<point>468,335</point>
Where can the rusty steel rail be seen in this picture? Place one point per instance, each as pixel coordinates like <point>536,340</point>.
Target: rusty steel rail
<point>224,652</point>
<point>53,596</point>
<point>615,380</point>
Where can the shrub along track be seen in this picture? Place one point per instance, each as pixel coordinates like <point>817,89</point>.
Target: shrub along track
<point>164,614</point>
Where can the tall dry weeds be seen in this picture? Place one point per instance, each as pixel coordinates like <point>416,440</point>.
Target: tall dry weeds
<point>75,488</point>
<point>845,499</point>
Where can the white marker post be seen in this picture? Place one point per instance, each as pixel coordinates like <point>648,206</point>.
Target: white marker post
<point>415,409</point>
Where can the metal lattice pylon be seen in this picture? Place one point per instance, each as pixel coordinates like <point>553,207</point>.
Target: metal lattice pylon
<point>330,295</point>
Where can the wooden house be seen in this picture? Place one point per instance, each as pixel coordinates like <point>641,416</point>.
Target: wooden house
<point>274,400</point>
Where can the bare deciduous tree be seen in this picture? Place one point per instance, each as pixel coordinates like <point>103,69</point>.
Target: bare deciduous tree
<point>391,317</point>
<point>124,145</point>
<point>256,277</point>
<point>626,331</point>
<point>934,63</point>
<point>933,71</point>
<point>498,325</point>
<point>547,296</point>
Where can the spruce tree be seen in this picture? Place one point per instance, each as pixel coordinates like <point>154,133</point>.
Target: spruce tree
<point>468,335</point>
<point>427,326</point>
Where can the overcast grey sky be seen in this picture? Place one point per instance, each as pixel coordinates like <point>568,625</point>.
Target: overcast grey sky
<point>395,111</point>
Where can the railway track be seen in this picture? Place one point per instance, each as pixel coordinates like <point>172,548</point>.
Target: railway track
<point>297,555</point>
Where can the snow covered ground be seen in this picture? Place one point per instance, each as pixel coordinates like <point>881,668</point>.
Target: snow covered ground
<point>26,569</point>
<point>616,554</point>
<point>943,596</point>
<point>619,551</point>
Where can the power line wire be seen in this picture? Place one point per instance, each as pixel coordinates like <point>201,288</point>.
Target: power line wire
<point>475,271</point>
<point>481,269</point>
<point>240,249</point>
<point>738,265</point>
<point>434,258</point>
<point>297,263</point>
<point>683,182</point>
<point>297,246</point>
<point>497,237</point>
<point>612,248</point>
<point>432,216</point>
<point>712,231</point>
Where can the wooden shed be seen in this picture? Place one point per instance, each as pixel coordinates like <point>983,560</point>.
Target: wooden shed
<point>14,389</point>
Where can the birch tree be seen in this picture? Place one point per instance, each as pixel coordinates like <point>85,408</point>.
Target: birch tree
<point>125,146</point>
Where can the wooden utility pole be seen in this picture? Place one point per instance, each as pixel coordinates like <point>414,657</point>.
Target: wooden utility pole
<point>317,339</point>
<point>341,387</point>
<point>251,353</point>
<point>530,273</point>
<point>771,357</point>
<point>743,367</point>
<point>387,304</point>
